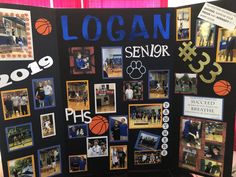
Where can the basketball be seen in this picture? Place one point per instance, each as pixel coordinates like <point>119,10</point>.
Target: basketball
<point>222,88</point>
<point>99,125</point>
<point>43,26</point>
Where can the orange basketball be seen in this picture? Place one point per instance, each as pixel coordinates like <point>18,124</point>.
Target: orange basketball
<point>43,26</point>
<point>99,125</point>
<point>222,88</point>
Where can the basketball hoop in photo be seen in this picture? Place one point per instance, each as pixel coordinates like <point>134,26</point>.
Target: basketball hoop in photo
<point>99,125</point>
<point>222,88</point>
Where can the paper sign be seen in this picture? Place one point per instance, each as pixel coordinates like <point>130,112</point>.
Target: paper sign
<point>203,107</point>
<point>218,16</point>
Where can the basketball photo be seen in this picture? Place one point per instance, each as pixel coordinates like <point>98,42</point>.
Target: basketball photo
<point>78,95</point>
<point>185,83</point>
<point>77,131</point>
<point>99,125</point>
<point>105,98</point>
<point>145,116</point>
<point>19,137</point>
<point>48,126</point>
<point>97,146</point>
<point>43,93</point>
<point>49,161</point>
<point>183,24</point>
<point>210,167</point>
<point>118,157</point>
<point>158,84</point>
<point>118,129</point>
<point>132,90</point>
<point>147,157</point>
<point>81,60</point>
<point>188,158</point>
<point>112,62</point>
<point>78,163</point>
<point>15,103</point>
<point>215,131</point>
<point>23,166</point>
<point>213,151</point>
<point>147,141</point>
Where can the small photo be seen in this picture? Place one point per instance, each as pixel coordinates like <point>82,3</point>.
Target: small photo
<point>147,157</point>
<point>16,41</point>
<point>183,24</point>
<point>97,146</point>
<point>147,141</point>
<point>78,95</point>
<point>189,157</point>
<point>132,90</point>
<point>77,131</point>
<point>15,103</point>
<point>145,116</point>
<point>49,161</point>
<point>112,62</point>
<point>22,167</point>
<point>82,60</point>
<point>205,34</point>
<point>213,151</point>
<point>211,167</point>
<point>185,83</point>
<point>105,98</point>
<point>118,126</point>
<point>44,94</point>
<point>19,137</point>
<point>48,126</point>
<point>214,131</point>
<point>191,133</point>
<point>158,81</point>
<point>226,46</point>
<point>78,163</point>
<point>118,157</point>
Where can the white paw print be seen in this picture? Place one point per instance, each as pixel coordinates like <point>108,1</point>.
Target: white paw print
<point>136,70</point>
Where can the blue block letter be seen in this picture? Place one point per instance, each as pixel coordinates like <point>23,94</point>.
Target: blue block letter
<point>120,33</point>
<point>64,25</point>
<point>159,25</point>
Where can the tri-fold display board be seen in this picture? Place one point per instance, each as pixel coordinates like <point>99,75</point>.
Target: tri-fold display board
<point>109,91</point>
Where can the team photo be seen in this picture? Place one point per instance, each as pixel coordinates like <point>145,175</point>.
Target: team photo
<point>147,157</point>
<point>147,141</point>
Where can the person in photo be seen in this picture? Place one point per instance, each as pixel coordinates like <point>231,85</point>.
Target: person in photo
<point>48,91</point>
<point>123,130</point>
<point>9,106</point>
<point>40,94</point>
<point>16,104</point>
<point>116,131</point>
<point>121,156</point>
<point>114,158</point>
<point>129,93</point>
<point>23,104</point>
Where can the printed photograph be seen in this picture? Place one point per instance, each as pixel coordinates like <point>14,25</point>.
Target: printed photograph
<point>205,34</point>
<point>48,126</point>
<point>185,83</point>
<point>82,60</point>
<point>49,161</point>
<point>78,95</point>
<point>183,24</point>
<point>132,90</point>
<point>112,62</point>
<point>97,146</point>
<point>77,131</point>
<point>145,116</point>
<point>213,151</point>
<point>15,103</point>
<point>189,158</point>
<point>78,163</point>
<point>158,81</point>
<point>147,157</point>
<point>19,137</point>
<point>212,168</point>
<point>105,98</point>
<point>22,167</point>
<point>118,126</point>
<point>147,141</point>
<point>44,94</point>
<point>118,157</point>
<point>226,46</point>
<point>191,133</point>
<point>215,131</point>
<point>16,41</point>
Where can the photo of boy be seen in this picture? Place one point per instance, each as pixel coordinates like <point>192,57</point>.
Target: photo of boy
<point>185,83</point>
<point>189,158</point>
<point>132,90</point>
<point>183,24</point>
<point>118,128</point>
<point>214,131</point>
<point>97,146</point>
<point>77,131</point>
<point>213,151</point>
<point>211,167</point>
<point>78,163</point>
<point>118,157</point>
<point>48,126</point>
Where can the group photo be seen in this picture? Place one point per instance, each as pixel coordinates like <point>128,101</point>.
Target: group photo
<point>118,128</point>
<point>118,157</point>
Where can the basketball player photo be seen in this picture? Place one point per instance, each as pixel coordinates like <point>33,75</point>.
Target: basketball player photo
<point>145,116</point>
<point>105,98</point>
<point>158,84</point>
<point>77,131</point>
<point>19,137</point>
<point>48,126</point>
<point>15,103</point>
<point>185,83</point>
<point>188,158</point>
<point>183,24</point>
<point>78,163</point>
<point>210,167</point>
<point>118,128</point>
<point>215,131</point>
<point>78,95</point>
<point>147,157</point>
<point>112,62</point>
<point>147,141</point>
<point>81,60</point>
<point>97,146</point>
<point>118,157</point>
<point>49,161</point>
<point>132,90</point>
